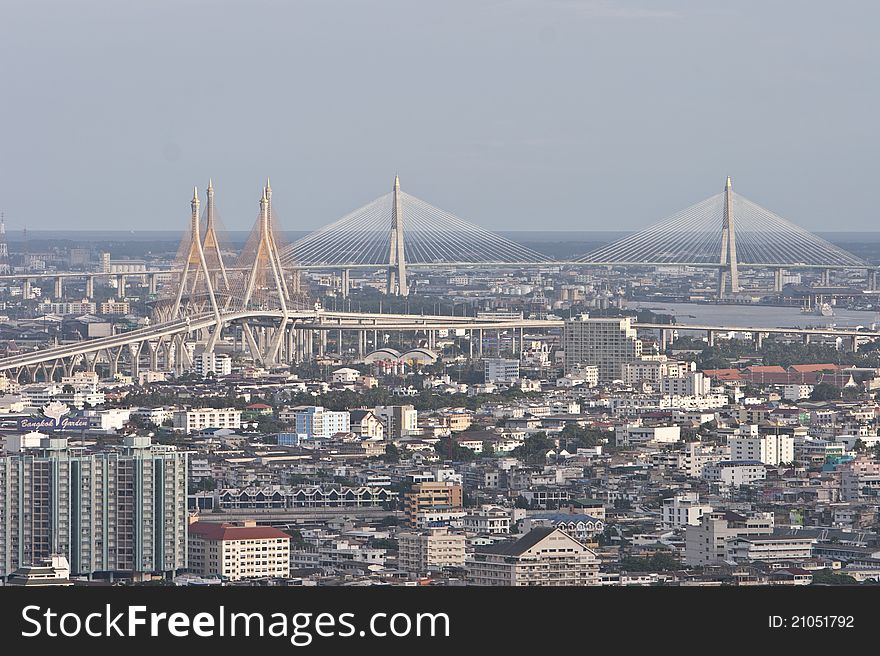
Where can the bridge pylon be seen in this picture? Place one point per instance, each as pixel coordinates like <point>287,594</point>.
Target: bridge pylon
<point>728,271</point>
<point>264,285</point>
<point>211,248</point>
<point>195,278</point>
<point>397,285</point>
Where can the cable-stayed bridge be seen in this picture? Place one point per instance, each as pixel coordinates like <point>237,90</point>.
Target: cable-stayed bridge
<point>259,292</point>
<point>727,231</point>
<point>398,230</point>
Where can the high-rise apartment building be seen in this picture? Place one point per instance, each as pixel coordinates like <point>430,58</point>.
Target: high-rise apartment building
<point>607,343</point>
<point>120,510</point>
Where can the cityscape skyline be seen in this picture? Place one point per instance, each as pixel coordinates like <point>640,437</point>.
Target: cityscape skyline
<point>118,140</point>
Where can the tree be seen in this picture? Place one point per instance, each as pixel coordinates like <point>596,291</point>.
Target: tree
<point>448,449</point>
<point>825,392</point>
<point>206,484</point>
<point>392,453</point>
<point>575,437</point>
<point>297,541</point>
<point>827,577</point>
<point>268,424</point>
<point>661,561</point>
<point>534,450</point>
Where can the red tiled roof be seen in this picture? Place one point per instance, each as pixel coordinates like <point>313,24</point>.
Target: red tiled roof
<point>218,531</point>
<point>806,368</point>
<point>767,369</point>
<point>723,374</point>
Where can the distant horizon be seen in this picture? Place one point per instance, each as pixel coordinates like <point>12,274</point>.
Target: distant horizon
<point>513,114</point>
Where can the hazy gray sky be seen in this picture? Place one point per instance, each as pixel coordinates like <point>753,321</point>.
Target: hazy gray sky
<point>515,114</point>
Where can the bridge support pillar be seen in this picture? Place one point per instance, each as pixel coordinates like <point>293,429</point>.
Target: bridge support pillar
<point>758,338</point>
<point>135,353</point>
<point>345,283</point>
<point>664,340</point>
<point>120,285</point>
<point>854,344</point>
<point>322,343</point>
<point>710,337</point>
<point>90,287</point>
<point>825,280</point>
<point>806,339</point>
<point>872,281</point>
<point>470,336</point>
<point>27,289</point>
<point>362,337</point>
<point>151,283</point>
<point>777,280</point>
<point>480,343</point>
<point>59,288</point>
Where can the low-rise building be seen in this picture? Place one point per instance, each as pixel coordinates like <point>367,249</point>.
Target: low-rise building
<point>189,421</point>
<point>432,495</point>
<point>706,543</point>
<point>735,472</point>
<point>430,549</point>
<point>243,551</point>
<point>683,510</point>
<point>544,556</point>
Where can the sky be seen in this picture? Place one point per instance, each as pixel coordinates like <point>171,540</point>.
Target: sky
<point>513,114</point>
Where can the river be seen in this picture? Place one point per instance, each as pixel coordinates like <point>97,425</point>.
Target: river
<point>757,316</point>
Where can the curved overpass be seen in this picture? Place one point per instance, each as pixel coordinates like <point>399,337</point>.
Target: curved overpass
<point>311,320</point>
